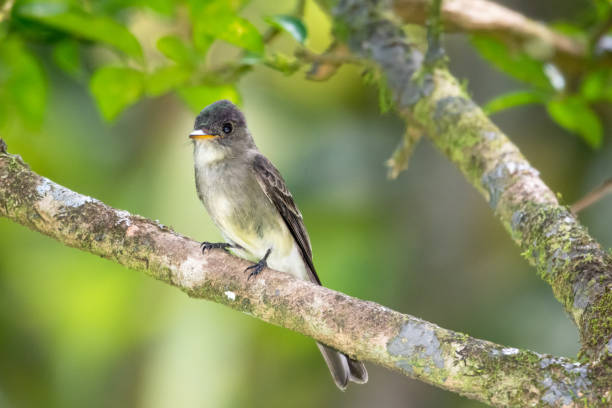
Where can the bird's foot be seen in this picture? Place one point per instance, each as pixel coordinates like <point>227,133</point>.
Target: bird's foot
<point>214,245</point>
<point>259,266</point>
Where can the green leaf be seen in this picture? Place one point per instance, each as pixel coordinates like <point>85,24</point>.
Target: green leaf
<point>198,97</point>
<point>115,88</point>
<point>166,79</point>
<point>100,29</point>
<point>217,19</point>
<point>175,49</point>
<point>66,55</point>
<point>201,41</point>
<point>234,30</point>
<point>165,7</point>
<point>22,82</point>
<point>512,100</point>
<point>570,29</point>
<point>515,63</point>
<point>291,25</point>
<point>597,85</point>
<point>385,96</point>
<point>575,115</point>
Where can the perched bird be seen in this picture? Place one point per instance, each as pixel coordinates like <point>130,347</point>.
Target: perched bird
<point>249,202</point>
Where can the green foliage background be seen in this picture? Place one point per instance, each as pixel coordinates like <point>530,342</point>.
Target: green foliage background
<point>100,96</point>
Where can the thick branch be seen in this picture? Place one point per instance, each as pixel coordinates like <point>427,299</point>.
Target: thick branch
<point>475,368</point>
<point>576,267</point>
<point>487,17</point>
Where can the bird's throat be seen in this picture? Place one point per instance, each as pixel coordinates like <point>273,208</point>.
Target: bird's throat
<point>207,152</point>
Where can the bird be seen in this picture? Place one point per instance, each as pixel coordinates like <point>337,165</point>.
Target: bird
<point>249,202</point>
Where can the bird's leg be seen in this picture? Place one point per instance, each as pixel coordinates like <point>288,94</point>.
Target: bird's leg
<point>215,245</point>
<point>259,266</point>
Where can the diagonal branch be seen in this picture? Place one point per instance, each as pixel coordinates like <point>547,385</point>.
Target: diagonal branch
<point>454,361</point>
<point>577,268</point>
<point>487,17</point>
<point>6,9</point>
<point>593,196</point>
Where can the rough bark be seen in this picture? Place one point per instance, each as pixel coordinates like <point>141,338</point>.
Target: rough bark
<point>429,98</point>
<point>478,369</point>
<point>577,268</point>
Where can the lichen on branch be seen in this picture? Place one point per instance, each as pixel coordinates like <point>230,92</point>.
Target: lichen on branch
<point>549,236</point>
<point>478,369</point>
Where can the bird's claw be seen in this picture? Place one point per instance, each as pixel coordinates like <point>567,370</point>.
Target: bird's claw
<point>214,245</point>
<point>256,268</point>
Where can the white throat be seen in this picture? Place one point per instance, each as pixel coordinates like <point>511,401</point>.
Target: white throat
<point>208,152</point>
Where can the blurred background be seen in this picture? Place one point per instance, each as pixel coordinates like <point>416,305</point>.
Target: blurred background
<point>77,330</point>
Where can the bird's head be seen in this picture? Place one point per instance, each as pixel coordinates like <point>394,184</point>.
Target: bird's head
<point>221,123</point>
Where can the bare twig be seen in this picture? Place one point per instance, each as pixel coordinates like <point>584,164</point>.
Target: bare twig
<point>487,17</point>
<point>339,55</point>
<point>591,198</point>
<point>325,65</point>
<point>6,9</point>
<point>479,369</point>
<point>400,159</point>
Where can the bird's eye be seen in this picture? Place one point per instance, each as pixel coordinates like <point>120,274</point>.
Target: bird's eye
<point>227,128</point>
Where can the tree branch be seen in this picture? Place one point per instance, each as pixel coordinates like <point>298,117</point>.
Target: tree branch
<point>475,368</point>
<point>486,17</point>
<point>577,268</point>
<point>592,197</point>
<point>6,9</point>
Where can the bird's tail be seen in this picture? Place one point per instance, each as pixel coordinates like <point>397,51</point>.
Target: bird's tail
<point>343,368</point>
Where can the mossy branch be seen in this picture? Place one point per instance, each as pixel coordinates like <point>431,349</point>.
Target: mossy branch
<point>577,268</point>
<point>478,369</point>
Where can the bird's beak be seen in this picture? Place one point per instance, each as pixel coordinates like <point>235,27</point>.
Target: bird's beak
<point>200,134</point>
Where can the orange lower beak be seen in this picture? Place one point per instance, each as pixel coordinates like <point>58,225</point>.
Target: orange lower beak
<point>199,134</point>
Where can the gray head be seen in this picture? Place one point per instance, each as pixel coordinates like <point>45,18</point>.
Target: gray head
<point>222,124</point>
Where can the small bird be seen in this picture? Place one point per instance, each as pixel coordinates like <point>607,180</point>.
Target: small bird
<point>247,199</point>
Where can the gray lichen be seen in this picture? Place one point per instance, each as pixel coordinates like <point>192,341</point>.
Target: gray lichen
<point>61,195</point>
<point>449,109</point>
<point>497,180</point>
<point>569,387</point>
<point>372,34</point>
<point>416,345</point>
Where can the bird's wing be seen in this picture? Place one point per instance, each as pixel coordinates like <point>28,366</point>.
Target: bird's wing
<point>274,187</point>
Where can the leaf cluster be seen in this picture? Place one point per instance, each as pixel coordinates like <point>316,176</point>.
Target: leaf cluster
<point>93,42</point>
<point>572,97</point>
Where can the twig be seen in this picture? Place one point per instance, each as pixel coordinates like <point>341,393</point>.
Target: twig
<point>325,65</point>
<point>340,55</point>
<point>435,51</point>
<point>592,197</point>
<point>487,17</point>
<point>6,9</point>
<point>400,159</point>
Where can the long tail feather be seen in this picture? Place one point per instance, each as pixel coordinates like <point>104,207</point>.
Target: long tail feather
<point>342,368</point>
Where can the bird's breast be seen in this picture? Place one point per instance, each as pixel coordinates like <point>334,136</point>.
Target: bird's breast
<point>244,214</point>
